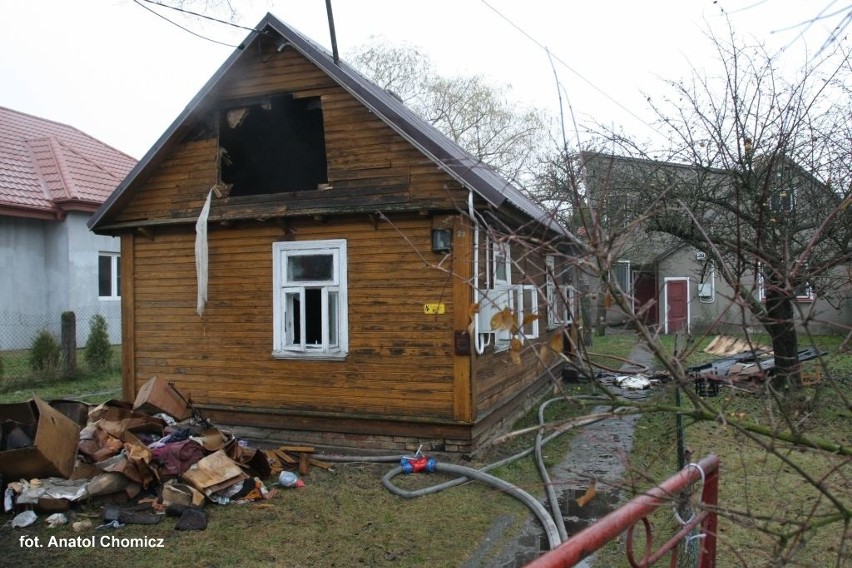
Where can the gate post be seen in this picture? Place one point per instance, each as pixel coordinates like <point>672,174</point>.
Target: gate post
<point>625,518</point>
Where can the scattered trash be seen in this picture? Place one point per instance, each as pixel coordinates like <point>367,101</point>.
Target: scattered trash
<point>290,479</point>
<point>24,519</point>
<point>37,441</point>
<point>192,519</point>
<point>183,494</point>
<point>8,499</point>
<point>55,520</point>
<point>632,382</point>
<point>743,366</point>
<point>79,526</point>
<point>110,525</point>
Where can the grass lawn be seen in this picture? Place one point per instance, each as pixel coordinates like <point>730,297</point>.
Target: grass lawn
<point>767,509</point>
<point>345,517</point>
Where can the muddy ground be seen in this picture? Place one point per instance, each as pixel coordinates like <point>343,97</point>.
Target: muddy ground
<point>598,454</point>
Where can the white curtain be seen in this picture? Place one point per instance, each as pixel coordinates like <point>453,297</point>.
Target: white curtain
<point>201,254</point>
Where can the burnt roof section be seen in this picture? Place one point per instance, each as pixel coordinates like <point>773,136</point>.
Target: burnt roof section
<point>457,162</point>
<point>48,168</point>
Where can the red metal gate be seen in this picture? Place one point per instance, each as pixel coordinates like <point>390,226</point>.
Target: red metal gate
<point>626,518</point>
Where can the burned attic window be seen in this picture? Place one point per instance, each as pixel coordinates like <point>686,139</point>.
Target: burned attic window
<point>273,146</point>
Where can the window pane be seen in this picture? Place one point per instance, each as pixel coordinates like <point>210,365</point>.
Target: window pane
<point>332,319</point>
<point>500,268</point>
<point>310,268</point>
<point>104,275</point>
<point>313,318</point>
<point>117,276</point>
<point>293,321</point>
<point>622,276</point>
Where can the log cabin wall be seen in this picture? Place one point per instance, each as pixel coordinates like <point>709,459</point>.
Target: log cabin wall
<point>400,360</point>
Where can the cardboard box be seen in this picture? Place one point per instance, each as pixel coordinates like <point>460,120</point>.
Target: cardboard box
<point>157,396</point>
<point>54,448</point>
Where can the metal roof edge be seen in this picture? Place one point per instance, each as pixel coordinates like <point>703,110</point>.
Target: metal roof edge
<point>175,125</point>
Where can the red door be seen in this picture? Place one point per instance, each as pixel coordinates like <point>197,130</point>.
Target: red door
<point>676,308</point>
<point>645,295</point>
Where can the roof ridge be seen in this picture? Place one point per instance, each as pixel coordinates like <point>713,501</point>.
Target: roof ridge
<point>37,167</point>
<point>41,119</point>
<point>67,181</point>
<point>89,160</point>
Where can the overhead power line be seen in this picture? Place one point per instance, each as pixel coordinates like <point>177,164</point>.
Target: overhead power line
<point>188,12</point>
<point>567,66</point>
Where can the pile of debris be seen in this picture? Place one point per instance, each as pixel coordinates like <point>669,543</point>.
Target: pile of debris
<point>143,461</point>
<point>742,365</point>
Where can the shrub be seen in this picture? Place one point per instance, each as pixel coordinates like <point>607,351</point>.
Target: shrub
<point>45,353</point>
<point>1,366</point>
<point>98,350</point>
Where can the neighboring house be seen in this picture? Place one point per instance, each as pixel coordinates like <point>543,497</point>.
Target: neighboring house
<point>674,286</point>
<point>328,295</point>
<point>52,178</point>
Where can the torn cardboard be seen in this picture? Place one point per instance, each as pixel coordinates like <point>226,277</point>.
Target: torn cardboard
<point>214,473</point>
<point>157,396</point>
<point>54,447</point>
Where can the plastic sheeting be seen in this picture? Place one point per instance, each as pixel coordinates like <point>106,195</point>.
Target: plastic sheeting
<point>201,262</point>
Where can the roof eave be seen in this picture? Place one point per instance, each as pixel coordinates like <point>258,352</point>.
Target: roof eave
<point>97,219</point>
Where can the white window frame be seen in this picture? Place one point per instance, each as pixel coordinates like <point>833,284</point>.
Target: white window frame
<point>560,297</point>
<point>526,303</point>
<point>115,267</point>
<point>522,300</point>
<point>809,295</point>
<point>283,337</point>
<point>706,287</point>
<point>627,289</point>
<point>501,254</point>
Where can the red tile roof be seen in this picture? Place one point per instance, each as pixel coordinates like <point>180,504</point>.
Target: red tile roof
<point>48,168</point>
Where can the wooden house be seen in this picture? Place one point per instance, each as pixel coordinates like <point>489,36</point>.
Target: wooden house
<point>311,262</point>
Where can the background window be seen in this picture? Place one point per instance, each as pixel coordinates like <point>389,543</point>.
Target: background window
<point>109,275</point>
<point>559,294</point>
<point>622,276</point>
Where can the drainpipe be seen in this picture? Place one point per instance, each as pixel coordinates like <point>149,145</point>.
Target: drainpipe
<point>479,344</point>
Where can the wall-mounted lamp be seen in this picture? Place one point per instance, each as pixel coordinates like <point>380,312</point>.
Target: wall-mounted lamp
<point>442,240</point>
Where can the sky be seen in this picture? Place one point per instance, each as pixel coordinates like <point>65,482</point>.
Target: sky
<point>122,74</point>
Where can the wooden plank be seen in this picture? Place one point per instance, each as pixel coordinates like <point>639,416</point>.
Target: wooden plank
<point>128,314</point>
<point>462,297</point>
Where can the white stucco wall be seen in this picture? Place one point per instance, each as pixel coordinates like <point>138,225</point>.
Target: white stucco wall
<point>46,268</point>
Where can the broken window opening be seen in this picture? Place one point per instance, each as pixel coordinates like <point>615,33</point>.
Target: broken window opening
<point>273,146</point>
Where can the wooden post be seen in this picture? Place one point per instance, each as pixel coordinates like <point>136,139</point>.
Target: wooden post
<point>69,344</point>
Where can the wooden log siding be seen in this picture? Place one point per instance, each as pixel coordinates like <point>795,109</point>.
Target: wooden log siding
<point>178,186</point>
<point>400,360</point>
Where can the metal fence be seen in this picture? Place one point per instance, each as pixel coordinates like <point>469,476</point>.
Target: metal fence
<point>18,330</point>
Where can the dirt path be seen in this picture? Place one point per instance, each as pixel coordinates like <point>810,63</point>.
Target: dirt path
<point>598,454</point>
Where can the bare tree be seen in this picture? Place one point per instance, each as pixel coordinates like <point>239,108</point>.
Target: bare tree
<point>478,116</point>
<point>763,188</point>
